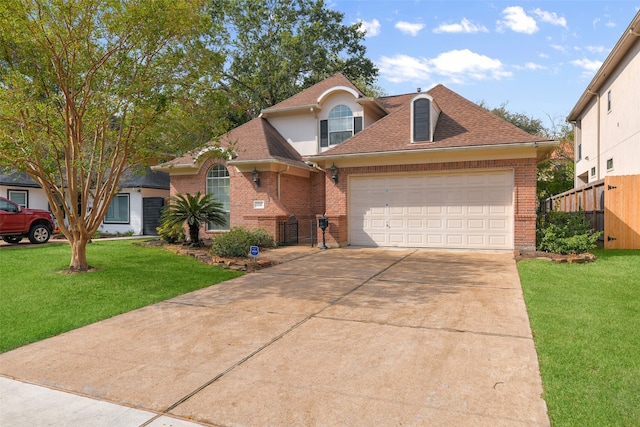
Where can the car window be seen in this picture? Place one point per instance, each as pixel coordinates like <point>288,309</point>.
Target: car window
<point>8,207</point>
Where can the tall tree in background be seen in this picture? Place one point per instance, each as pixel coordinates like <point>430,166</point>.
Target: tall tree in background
<point>89,88</point>
<point>554,174</point>
<point>276,48</point>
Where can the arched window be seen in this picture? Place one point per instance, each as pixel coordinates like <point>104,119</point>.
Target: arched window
<point>218,185</point>
<point>340,124</point>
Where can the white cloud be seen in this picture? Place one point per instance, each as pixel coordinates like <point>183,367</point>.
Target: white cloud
<point>610,24</point>
<point>531,66</point>
<point>404,68</point>
<point>465,26</point>
<point>559,48</point>
<point>372,28</point>
<point>596,49</point>
<point>517,20</point>
<point>589,67</point>
<point>551,17</point>
<point>409,28</point>
<point>458,66</point>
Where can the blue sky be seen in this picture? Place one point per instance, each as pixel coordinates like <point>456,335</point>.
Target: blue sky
<point>536,56</point>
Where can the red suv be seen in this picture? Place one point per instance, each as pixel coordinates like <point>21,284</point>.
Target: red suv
<point>17,223</point>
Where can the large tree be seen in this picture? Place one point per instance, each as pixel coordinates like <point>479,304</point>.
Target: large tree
<point>276,48</point>
<point>89,88</point>
<point>554,174</point>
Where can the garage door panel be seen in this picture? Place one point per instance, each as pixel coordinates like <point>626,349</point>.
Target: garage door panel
<point>461,210</point>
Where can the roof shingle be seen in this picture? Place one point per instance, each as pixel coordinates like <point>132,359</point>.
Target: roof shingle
<point>461,124</point>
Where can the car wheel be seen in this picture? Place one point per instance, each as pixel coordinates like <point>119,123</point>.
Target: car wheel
<point>39,234</point>
<point>12,239</point>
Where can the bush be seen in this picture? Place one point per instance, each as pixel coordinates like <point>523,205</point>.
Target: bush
<point>238,241</point>
<point>565,233</point>
<point>171,233</point>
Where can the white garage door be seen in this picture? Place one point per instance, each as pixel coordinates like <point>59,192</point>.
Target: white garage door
<point>457,210</point>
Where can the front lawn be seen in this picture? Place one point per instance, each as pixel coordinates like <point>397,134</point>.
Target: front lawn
<point>38,301</point>
<point>586,326</point>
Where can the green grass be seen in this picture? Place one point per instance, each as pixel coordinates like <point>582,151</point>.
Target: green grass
<point>38,301</point>
<point>586,325</point>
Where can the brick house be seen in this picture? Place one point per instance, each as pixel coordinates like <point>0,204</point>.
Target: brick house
<point>428,169</point>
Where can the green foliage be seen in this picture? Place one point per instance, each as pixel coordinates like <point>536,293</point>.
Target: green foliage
<point>526,123</point>
<point>195,210</point>
<point>276,48</point>
<point>565,233</point>
<point>238,241</point>
<point>171,233</point>
<point>555,175</point>
<point>89,88</point>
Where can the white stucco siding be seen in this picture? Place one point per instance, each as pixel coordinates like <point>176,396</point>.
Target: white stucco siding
<point>612,131</point>
<point>36,198</point>
<point>620,126</point>
<point>339,98</point>
<point>299,130</point>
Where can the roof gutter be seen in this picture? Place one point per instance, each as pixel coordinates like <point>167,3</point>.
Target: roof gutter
<point>250,163</point>
<point>536,144</point>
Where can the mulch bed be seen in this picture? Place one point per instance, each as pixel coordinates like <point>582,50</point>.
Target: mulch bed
<point>202,254</point>
<point>553,257</point>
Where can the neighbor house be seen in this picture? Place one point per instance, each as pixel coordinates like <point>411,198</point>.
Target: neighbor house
<point>606,122</point>
<point>427,169</point>
<point>606,118</point>
<point>135,209</point>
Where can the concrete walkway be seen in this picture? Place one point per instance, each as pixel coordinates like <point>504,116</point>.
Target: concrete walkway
<point>344,337</point>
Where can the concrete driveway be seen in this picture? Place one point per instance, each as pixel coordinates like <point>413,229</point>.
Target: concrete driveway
<point>344,337</point>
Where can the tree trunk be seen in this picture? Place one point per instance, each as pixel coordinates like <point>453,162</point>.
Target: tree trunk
<point>194,234</point>
<point>79,254</point>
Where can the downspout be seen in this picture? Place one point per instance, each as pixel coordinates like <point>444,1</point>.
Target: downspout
<point>597,95</point>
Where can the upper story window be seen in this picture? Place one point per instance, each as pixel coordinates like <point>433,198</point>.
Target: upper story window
<point>341,125</point>
<point>424,116</point>
<point>218,185</point>
<point>608,101</point>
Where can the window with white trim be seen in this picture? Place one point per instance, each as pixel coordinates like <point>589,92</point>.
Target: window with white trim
<point>218,186</point>
<point>19,196</point>
<point>118,212</point>
<point>609,164</point>
<point>340,124</point>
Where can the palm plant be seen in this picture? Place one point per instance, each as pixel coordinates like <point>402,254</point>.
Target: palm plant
<point>195,210</point>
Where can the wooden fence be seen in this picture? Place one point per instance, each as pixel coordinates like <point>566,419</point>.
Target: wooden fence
<point>613,206</point>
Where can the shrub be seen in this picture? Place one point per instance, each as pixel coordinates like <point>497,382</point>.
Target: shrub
<point>566,233</point>
<point>238,241</point>
<point>171,233</point>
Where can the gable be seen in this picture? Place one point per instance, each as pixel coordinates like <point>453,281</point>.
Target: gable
<point>460,124</point>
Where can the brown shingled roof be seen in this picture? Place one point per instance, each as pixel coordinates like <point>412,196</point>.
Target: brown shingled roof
<point>254,140</point>
<point>461,124</point>
<point>311,94</point>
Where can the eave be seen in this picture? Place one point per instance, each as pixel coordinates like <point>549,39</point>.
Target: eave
<point>543,149</point>
<point>617,54</point>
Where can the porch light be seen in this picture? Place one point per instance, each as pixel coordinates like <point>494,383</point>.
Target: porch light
<point>256,177</point>
<point>334,173</point>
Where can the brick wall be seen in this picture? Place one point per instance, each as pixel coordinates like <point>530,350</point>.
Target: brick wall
<point>524,205</point>
<point>299,196</point>
<point>308,198</point>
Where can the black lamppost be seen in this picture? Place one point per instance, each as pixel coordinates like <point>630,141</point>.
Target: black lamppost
<point>323,224</point>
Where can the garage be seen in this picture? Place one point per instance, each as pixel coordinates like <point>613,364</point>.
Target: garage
<point>446,210</point>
